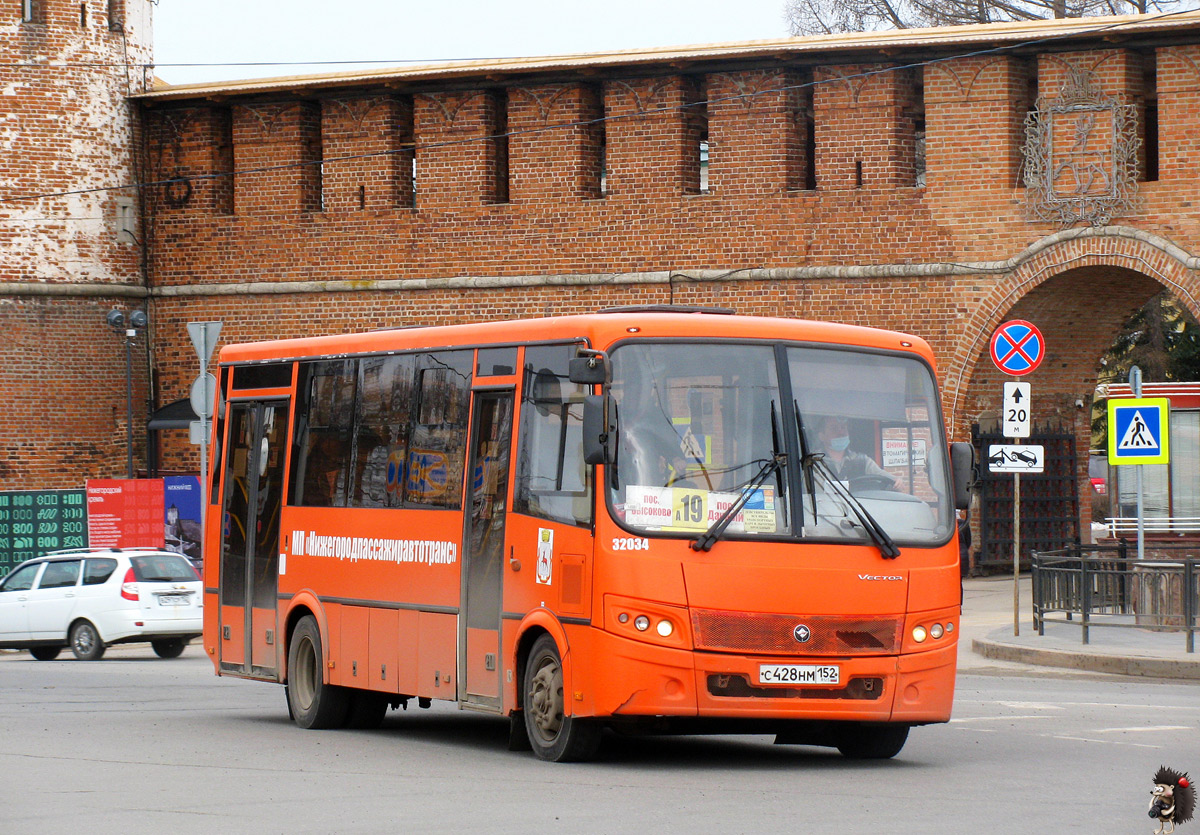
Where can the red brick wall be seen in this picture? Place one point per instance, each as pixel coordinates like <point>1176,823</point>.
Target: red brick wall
<point>70,142</point>
<point>756,132</point>
<point>456,151</point>
<point>865,133</point>
<point>554,150</point>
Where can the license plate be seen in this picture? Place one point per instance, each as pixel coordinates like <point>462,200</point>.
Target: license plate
<point>799,674</point>
<point>173,599</point>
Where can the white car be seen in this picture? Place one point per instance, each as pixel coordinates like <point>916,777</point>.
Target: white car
<point>88,600</point>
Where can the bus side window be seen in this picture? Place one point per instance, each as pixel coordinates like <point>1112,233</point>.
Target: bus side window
<point>552,480</point>
<point>325,419</point>
<point>385,393</point>
<point>438,446</point>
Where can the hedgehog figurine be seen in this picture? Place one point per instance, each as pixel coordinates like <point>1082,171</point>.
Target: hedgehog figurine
<point>1172,800</point>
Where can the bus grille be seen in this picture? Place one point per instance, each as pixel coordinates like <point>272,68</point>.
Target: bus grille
<point>769,634</point>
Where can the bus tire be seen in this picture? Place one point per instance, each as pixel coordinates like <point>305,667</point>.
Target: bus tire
<point>871,741</point>
<point>553,735</point>
<point>313,703</point>
<point>169,647</point>
<point>366,710</point>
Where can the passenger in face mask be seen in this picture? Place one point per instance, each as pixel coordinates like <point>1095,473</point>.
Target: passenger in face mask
<point>847,465</point>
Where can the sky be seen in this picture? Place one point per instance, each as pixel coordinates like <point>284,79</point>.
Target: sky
<point>398,31</point>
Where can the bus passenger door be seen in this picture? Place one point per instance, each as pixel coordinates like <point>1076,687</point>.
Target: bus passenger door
<point>250,537</point>
<point>483,548</point>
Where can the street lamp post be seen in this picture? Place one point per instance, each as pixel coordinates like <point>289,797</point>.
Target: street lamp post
<point>137,321</point>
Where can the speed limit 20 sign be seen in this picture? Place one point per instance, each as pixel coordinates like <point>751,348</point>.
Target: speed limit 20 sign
<point>1016,410</point>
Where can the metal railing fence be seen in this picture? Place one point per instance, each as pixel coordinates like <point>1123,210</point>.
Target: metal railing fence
<point>1104,586</point>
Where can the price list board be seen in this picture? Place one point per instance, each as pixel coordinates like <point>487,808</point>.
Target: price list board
<point>126,513</point>
<point>33,522</point>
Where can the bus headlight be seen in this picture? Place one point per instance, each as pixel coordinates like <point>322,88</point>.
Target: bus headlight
<point>641,623</point>
<point>919,634</point>
<point>665,628</point>
<point>935,631</point>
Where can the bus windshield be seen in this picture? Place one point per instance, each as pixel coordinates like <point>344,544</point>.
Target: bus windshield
<point>835,440</point>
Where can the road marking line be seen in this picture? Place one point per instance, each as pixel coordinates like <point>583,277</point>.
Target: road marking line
<point>997,718</point>
<point>1144,729</point>
<point>1101,741</point>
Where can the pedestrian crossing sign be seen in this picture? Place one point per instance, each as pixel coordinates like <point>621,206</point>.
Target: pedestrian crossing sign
<point>1138,431</point>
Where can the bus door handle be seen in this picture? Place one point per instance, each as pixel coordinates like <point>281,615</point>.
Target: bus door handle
<point>513,562</point>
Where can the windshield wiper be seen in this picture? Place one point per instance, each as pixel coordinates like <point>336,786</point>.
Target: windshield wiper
<point>804,453</point>
<point>706,540</point>
<point>887,548</point>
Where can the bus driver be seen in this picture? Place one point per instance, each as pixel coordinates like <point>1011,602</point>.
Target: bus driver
<point>845,463</point>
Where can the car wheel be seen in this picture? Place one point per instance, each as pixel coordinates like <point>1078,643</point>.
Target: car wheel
<point>553,735</point>
<point>86,643</point>
<point>872,742</point>
<point>45,653</point>
<point>313,703</point>
<point>169,647</point>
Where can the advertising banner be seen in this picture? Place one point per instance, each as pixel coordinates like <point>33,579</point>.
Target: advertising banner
<point>181,496</point>
<point>126,513</point>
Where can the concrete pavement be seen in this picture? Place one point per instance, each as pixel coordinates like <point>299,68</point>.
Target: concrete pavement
<point>987,639</point>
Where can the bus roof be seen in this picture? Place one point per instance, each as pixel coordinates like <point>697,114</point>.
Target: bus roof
<point>600,330</point>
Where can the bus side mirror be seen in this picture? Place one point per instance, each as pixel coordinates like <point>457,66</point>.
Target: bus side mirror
<point>595,428</point>
<point>962,470</point>
<point>591,370</point>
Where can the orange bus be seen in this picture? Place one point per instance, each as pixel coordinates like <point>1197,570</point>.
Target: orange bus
<point>654,519</point>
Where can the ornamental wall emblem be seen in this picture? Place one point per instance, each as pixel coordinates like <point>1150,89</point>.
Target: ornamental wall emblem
<point>1081,155</point>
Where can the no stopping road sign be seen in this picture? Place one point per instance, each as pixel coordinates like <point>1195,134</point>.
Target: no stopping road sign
<point>1018,347</point>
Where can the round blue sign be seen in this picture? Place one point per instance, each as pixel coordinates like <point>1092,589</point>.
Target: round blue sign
<point>1018,347</point>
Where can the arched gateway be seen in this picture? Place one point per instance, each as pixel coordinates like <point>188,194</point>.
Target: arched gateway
<point>1079,287</point>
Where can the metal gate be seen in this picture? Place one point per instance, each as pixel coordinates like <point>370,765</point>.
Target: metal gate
<point>1049,500</point>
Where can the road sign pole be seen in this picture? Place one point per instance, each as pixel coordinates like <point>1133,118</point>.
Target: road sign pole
<point>1135,382</point>
<point>203,461</point>
<point>204,337</point>
<point>1017,553</point>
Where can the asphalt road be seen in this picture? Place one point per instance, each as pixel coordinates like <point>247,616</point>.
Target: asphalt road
<point>137,744</point>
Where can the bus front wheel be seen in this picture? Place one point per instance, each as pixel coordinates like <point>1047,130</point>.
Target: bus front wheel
<point>553,735</point>
<point>872,742</point>
<point>312,703</point>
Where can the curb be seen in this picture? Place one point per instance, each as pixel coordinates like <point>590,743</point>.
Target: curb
<point>1126,665</point>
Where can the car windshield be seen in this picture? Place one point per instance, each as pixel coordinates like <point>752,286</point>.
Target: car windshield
<point>163,568</point>
<point>834,441</point>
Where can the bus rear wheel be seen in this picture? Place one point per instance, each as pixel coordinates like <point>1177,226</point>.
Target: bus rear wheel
<point>553,735</point>
<point>313,703</point>
<point>871,742</point>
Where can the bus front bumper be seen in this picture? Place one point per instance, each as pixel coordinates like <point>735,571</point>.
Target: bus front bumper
<point>633,679</point>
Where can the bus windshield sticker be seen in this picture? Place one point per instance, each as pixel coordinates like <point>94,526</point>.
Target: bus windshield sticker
<point>688,509</point>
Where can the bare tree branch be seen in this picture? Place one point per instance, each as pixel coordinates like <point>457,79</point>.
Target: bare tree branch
<point>823,17</point>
